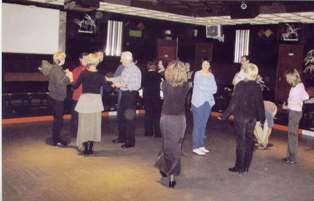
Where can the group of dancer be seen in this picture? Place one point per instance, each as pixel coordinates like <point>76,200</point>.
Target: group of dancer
<point>247,107</point>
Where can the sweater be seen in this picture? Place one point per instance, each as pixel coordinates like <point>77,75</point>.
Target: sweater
<point>174,98</point>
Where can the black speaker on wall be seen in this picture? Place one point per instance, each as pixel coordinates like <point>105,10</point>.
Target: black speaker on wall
<point>81,5</point>
<point>243,10</point>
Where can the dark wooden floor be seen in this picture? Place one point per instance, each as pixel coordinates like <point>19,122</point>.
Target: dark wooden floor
<point>36,171</point>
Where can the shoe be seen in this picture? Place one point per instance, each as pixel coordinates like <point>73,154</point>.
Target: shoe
<point>126,146</point>
<point>261,147</point>
<point>172,184</point>
<point>234,169</point>
<point>199,152</point>
<point>117,141</point>
<point>162,173</point>
<point>288,161</point>
<point>203,149</point>
<point>60,143</point>
<point>269,145</point>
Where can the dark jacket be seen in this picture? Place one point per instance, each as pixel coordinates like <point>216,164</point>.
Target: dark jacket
<point>151,84</point>
<point>246,102</point>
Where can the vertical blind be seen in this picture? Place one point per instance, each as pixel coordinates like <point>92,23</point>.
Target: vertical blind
<point>114,38</point>
<point>241,44</point>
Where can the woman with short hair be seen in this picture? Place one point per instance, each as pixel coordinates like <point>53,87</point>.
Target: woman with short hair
<point>297,96</point>
<point>172,122</point>
<point>247,107</point>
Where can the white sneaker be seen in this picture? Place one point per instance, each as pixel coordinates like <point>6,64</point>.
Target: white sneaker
<point>199,152</point>
<point>203,149</point>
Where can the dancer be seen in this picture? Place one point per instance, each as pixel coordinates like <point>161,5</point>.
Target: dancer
<point>202,103</point>
<point>262,133</point>
<point>77,92</point>
<point>241,74</point>
<point>297,96</point>
<point>121,136</point>
<point>152,101</point>
<point>129,82</point>
<point>172,122</point>
<point>57,88</point>
<point>247,107</point>
<point>89,105</point>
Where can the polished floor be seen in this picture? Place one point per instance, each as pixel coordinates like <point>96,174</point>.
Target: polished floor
<point>35,171</point>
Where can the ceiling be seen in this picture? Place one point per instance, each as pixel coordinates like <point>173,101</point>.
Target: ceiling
<point>210,12</point>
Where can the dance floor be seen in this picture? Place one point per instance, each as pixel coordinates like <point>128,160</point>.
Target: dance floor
<point>35,171</point>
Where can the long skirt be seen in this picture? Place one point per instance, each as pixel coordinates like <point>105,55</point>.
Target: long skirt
<point>89,107</point>
<point>172,130</point>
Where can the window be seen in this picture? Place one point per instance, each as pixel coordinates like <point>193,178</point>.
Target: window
<point>241,44</point>
<point>114,38</point>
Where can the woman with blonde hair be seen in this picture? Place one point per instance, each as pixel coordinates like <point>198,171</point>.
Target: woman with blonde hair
<point>89,105</point>
<point>247,107</point>
<point>202,102</point>
<point>172,122</point>
<point>297,96</point>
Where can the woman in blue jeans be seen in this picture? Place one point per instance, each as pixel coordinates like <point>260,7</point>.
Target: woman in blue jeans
<point>202,102</point>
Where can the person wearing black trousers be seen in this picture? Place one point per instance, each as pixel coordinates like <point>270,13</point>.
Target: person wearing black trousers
<point>152,102</point>
<point>57,93</point>
<point>247,107</point>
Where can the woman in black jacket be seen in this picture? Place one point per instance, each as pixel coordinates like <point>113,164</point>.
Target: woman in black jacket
<point>247,107</point>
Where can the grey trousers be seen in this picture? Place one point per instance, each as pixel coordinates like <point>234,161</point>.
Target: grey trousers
<point>293,126</point>
<point>172,129</point>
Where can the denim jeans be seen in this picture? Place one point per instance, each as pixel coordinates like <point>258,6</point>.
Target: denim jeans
<point>200,118</point>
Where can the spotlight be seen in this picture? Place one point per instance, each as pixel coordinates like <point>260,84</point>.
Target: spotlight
<point>243,5</point>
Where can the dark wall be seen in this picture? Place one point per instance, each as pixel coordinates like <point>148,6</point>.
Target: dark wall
<point>263,45</point>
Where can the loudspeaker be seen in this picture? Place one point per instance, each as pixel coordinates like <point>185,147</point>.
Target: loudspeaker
<point>243,10</point>
<point>166,50</point>
<point>81,5</point>
<point>202,51</point>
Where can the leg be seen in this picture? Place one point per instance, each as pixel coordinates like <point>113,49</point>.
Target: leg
<point>57,107</point>
<point>148,121</point>
<point>206,113</point>
<point>74,120</point>
<point>293,125</point>
<point>156,116</point>
<point>90,147</point>
<point>240,147</point>
<point>129,117</point>
<point>249,140</point>
<point>121,120</point>
<point>196,111</point>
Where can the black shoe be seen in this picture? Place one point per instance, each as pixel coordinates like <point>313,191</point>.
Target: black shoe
<point>162,173</point>
<point>269,145</point>
<point>234,169</point>
<point>90,148</point>
<point>126,146</point>
<point>117,141</point>
<point>172,184</point>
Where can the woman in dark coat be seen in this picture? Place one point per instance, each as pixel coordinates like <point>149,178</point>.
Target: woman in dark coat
<point>172,122</point>
<point>247,107</point>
